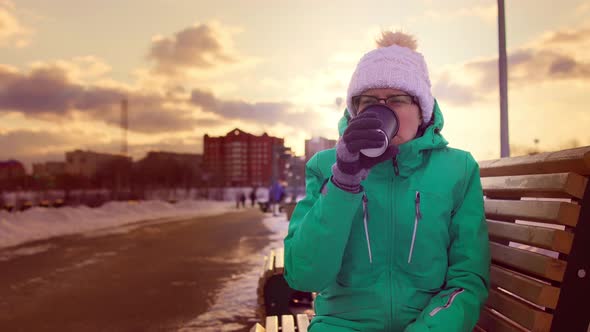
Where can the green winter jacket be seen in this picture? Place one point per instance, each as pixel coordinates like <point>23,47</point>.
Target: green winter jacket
<point>420,262</point>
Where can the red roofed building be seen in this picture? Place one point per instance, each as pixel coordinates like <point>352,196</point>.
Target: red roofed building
<point>11,169</point>
<point>242,159</point>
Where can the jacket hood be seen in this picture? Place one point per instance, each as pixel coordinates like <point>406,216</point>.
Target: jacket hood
<point>411,153</point>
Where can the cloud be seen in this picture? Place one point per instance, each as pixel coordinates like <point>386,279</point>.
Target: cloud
<point>81,69</point>
<point>148,114</point>
<point>198,47</point>
<point>30,146</point>
<point>31,142</point>
<point>454,92</point>
<point>545,60</point>
<point>42,90</point>
<point>48,92</point>
<point>12,31</point>
<point>532,66</point>
<point>567,36</point>
<point>569,41</point>
<point>259,112</point>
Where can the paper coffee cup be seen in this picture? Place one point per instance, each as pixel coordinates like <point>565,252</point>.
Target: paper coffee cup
<point>376,152</point>
<point>389,128</point>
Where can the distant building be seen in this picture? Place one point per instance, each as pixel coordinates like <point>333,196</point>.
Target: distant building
<point>243,159</point>
<point>191,160</point>
<point>87,163</point>
<point>11,169</point>
<point>296,174</point>
<point>317,144</point>
<point>49,169</point>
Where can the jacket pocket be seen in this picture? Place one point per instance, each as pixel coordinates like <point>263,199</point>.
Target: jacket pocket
<point>417,218</point>
<point>338,300</point>
<point>357,269</point>
<point>449,302</point>
<point>422,237</point>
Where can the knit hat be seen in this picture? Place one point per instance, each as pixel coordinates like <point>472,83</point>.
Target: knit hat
<point>394,64</point>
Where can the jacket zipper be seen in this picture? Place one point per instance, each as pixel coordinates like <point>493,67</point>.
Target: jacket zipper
<point>391,224</point>
<point>395,166</point>
<point>449,302</point>
<point>416,220</point>
<point>365,222</point>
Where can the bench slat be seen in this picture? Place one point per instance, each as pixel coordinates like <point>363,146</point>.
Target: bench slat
<point>279,260</point>
<point>528,262</point>
<point>272,324</point>
<point>562,213</point>
<point>478,329</point>
<point>547,238</point>
<point>560,185</point>
<point>572,160</point>
<point>532,290</point>
<point>519,311</point>
<point>302,322</point>
<point>287,323</point>
<point>257,328</point>
<point>492,322</point>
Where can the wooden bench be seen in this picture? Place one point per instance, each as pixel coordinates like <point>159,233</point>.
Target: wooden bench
<point>540,205</point>
<point>275,297</point>
<point>538,215</point>
<point>286,323</point>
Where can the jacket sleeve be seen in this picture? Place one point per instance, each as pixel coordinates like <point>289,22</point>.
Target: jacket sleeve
<point>456,308</point>
<point>318,231</point>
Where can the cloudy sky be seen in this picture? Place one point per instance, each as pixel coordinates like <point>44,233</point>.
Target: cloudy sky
<point>194,67</point>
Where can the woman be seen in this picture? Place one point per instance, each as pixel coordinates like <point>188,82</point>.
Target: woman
<point>397,242</point>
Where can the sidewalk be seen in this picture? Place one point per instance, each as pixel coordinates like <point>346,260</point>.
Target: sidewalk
<point>153,278</point>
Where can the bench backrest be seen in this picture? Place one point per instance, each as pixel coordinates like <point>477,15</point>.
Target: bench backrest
<point>538,210</point>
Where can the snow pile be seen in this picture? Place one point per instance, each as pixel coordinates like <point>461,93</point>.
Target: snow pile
<point>41,223</point>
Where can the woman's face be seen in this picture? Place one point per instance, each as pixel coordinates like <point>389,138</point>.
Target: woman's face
<point>409,114</point>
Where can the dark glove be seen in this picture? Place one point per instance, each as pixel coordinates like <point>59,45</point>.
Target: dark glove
<point>351,166</point>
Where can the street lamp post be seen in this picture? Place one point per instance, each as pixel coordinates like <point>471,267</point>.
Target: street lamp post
<point>503,76</point>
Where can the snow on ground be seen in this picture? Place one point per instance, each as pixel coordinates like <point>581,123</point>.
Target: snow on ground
<point>235,302</point>
<point>42,223</point>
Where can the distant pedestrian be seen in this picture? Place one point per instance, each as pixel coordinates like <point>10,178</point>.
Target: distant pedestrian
<point>253,196</point>
<point>238,199</point>
<point>243,199</point>
<point>275,194</point>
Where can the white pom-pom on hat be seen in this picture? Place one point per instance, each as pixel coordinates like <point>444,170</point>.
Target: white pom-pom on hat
<point>394,64</point>
<point>390,38</point>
